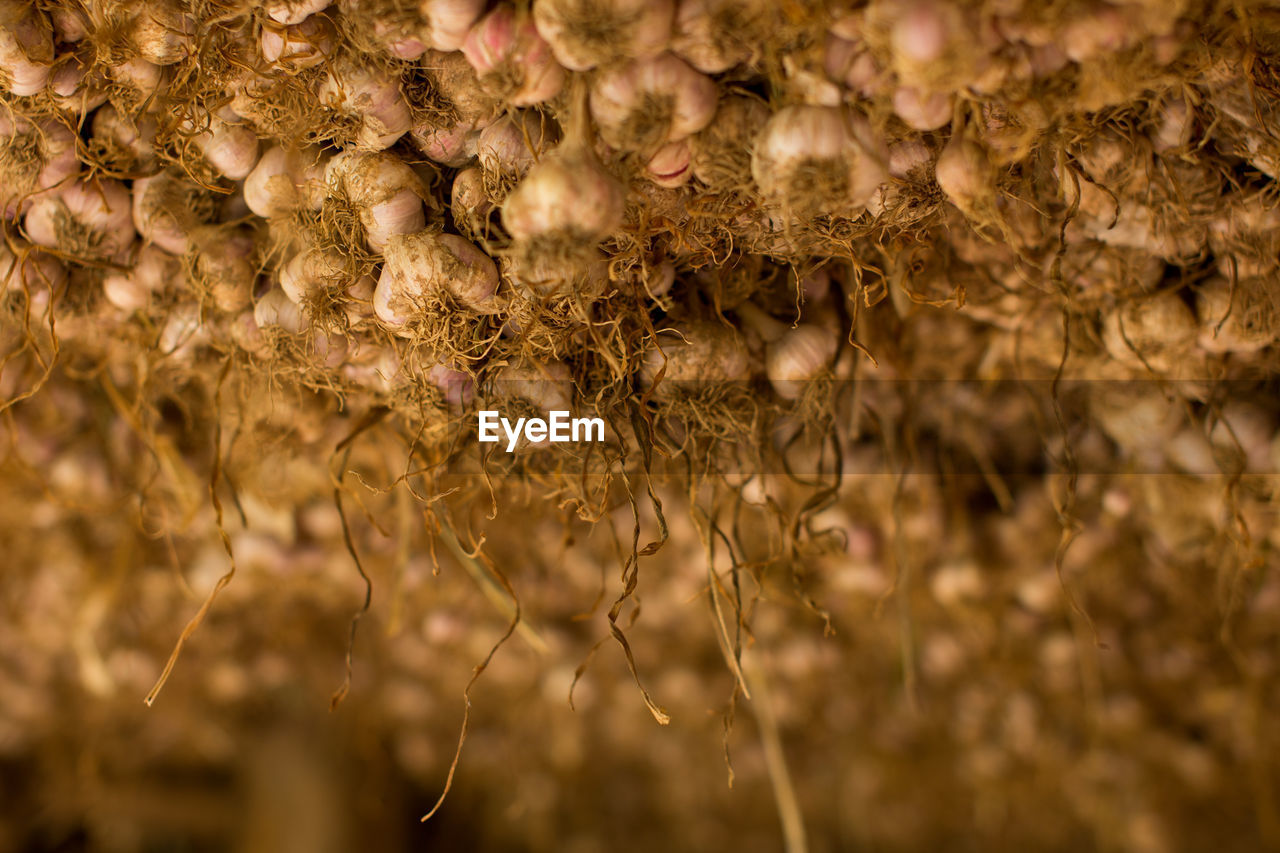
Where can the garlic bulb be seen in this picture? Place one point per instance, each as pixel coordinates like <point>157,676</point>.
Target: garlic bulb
<point>285,180</point>
<point>703,351</point>
<point>293,12</point>
<point>587,33</point>
<point>230,148</point>
<point>163,32</point>
<point>799,357</point>
<point>425,266</point>
<point>153,269</point>
<point>312,269</point>
<point>167,207</point>
<point>1240,319</point>
<point>276,309</point>
<point>470,203</point>
<point>569,196</point>
<point>222,264</point>
<point>35,159</point>
<point>450,20</point>
<point>669,167</point>
<point>645,104</point>
<point>510,146</point>
<point>922,111</point>
<point>298,46</point>
<point>715,35</point>
<point>373,97</point>
<point>26,47</point>
<point>384,189</point>
<point>811,158</point>
<point>121,143</point>
<point>512,60</point>
<point>1153,332</point>
<point>88,219</point>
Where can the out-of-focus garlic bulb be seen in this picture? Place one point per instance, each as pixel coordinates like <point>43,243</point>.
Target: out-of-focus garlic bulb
<point>153,270</point>
<point>702,351</point>
<point>715,35</point>
<point>645,104</point>
<point>669,167</point>
<point>222,264</point>
<point>587,33</point>
<point>568,196</point>
<point>811,159</point>
<point>799,357</point>
<point>510,146</point>
<point>512,60</point>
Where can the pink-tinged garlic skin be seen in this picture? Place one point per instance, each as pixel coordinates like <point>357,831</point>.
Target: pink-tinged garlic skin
<point>293,12</point>
<point>152,271</point>
<point>450,21</point>
<point>670,166</point>
<point>92,217</point>
<point>922,111</point>
<point>714,35</point>
<point>26,48</point>
<point>285,180</point>
<point>55,150</point>
<point>798,136</point>
<point>799,357</point>
<point>375,97</point>
<point>448,146</point>
<point>385,190</point>
<point>162,212</point>
<point>510,146</point>
<point>420,266</point>
<point>277,309</point>
<point>566,194</point>
<point>69,25</point>
<point>116,133</point>
<point>643,93</point>
<point>504,42</point>
<point>231,149</point>
<point>584,34</point>
<point>298,46</point>
<point>77,88</point>
<point>459,388</point>
<point>163,32</point>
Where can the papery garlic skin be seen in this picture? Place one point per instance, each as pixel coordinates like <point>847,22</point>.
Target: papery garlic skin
<point>584,34</point>
<point>299,46</point>
<point>450,21</point>
<point>153,270</point>
<point>384,189</point>
<point>230,148</point>
<point>702,351</point>
<point>813,157</point>
<point>799,357</point>
<point>425,266</point>
<point>648,103</point>
<point>285,180</point>
<point>670,166</point>
<point>715,35</point>
<point>26,48</point>
<point>567,194</point>
<point>375,97</point>
<point>86,218</point>
<point>276,309</point>
<point>293,12</point>
<point>163,32</point>
<point>512,59</point>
